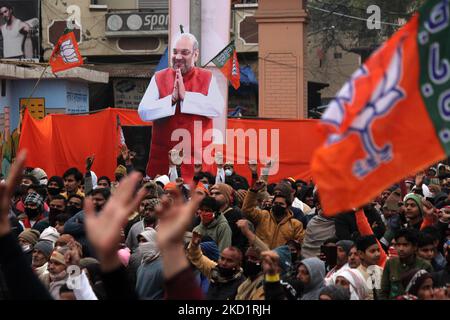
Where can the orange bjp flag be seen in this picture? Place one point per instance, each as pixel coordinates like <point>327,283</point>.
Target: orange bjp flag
<point>226,60</point>
<point>66,54</point>
<point>391,118</point>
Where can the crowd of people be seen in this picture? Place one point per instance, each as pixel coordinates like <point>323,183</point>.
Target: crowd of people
<point>218,237</point>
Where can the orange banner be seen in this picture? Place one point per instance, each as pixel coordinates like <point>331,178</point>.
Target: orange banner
<point>59,142</point>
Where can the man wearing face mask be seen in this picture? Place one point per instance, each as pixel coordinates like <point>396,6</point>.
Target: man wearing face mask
<point>224,194</point>
<point>233,179</point>
<point>56,276</point>
<point>225,276</point>
<point>40,174</point>
<point>75,225</point>
<point>55,186</point>
<point>34,210</point>
<point>74,204</point>
<point>274,227</point>
<point>27,239</point>
<point>57,206</point>
<point>253,287</point>
<point>213,224</point>
<point>28,180</point>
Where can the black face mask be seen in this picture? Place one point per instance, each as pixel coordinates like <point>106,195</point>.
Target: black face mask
<point>251,269</point>
<point>98,208</point>
<point>226,272</point>
<point>31,213</point>
<point>52,216</point>
<point>294,256</point>
<point>23,190</point>
<point>72,210</point>
<point>278,211</point>
<point>54,191</point>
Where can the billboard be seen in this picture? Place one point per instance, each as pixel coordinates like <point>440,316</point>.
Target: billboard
<point>19,26</point>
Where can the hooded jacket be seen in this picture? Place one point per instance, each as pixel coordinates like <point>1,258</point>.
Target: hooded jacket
<point>316,270</point>
<point>219,230</point>
<point>267,229</point>
<point>150,278</point>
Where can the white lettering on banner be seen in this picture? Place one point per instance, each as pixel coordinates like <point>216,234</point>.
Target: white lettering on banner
<point>224,56</point>
<point>258,145</point>
<point>439,17</point>
<point>444,105</point>
<point>439,70</point>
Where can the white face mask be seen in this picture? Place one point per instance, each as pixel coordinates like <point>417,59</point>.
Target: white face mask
<point>228,172</point>
<point>26,247</point>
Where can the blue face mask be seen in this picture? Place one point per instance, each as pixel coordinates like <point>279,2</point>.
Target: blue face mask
<point>228,172</point>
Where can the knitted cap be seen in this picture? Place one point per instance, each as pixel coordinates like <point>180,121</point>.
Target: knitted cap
<point>417,199</point>
<point>57,257</point>
<point>34,198</point>
<point>40,175</point>
<point>30,235</point>
<point>226,190</point>
<point>44,246</point>
<point>346,245</point>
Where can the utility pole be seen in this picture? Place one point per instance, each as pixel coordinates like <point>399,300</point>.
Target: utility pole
<point>195,23</point>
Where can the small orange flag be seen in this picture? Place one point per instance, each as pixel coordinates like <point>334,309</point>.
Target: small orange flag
<point>66,54</point>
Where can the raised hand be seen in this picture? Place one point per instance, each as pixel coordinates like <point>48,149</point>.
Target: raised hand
<point>89,162</point>
<point>270,262</point>
<point>243,225</point>
<point>258,186</point>
<point>103,229</point>
<point>7,191</point>
<point>72,256</point>
<point>253,166</point>
<point>196,239</point>
<point>419,179</point>
<point>429,210</point>
<point>174,220</point>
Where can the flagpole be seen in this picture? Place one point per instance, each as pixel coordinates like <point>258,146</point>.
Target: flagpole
<point>29,98</point>
<point>37,83</point>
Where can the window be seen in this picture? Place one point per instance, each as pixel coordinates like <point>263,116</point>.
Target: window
<point>338,55</point>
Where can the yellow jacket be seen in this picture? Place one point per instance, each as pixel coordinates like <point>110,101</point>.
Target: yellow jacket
<point>201,262</point>
<point>267,229</point>
<point>251,290</point>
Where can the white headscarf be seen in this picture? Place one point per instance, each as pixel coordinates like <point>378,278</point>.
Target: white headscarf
<point>357,283</point>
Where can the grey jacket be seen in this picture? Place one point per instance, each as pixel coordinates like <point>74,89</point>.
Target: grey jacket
<point>318,230</point>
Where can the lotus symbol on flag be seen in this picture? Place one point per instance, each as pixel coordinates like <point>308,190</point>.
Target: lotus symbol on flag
<point>68,52</point>
<point>234,70</point>
<point>385,97</point>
